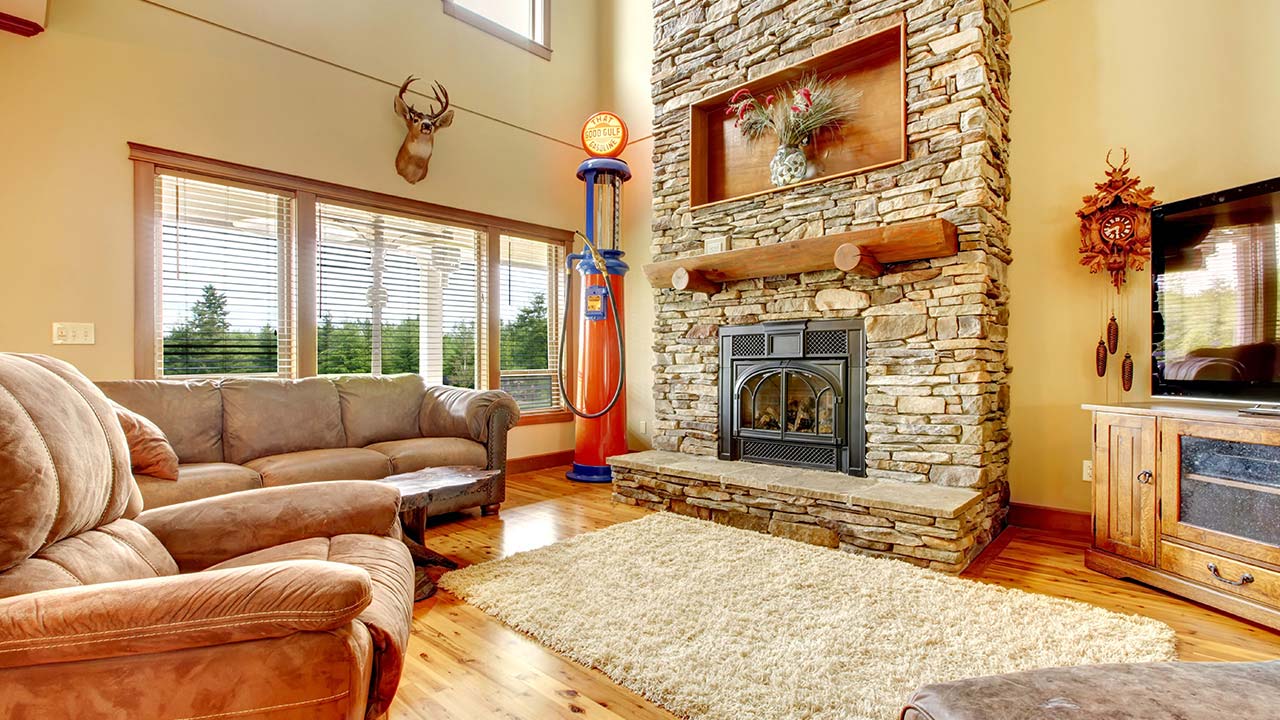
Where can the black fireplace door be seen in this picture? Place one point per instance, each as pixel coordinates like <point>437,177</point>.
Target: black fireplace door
<point>790,412</point>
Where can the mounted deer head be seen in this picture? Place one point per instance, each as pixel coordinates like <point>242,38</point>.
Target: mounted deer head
<point>415,151</point>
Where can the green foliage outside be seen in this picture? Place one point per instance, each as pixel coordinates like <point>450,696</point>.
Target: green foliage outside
<point>206,344</point>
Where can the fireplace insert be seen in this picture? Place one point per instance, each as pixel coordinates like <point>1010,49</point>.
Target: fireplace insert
<point>792,393</point>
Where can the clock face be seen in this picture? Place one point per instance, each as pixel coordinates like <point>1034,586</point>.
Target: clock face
<point>1117,226</point>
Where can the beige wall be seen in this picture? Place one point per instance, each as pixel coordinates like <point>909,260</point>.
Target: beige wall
<point>627,28</point>
<point>1189,88</point>
<point>110,71</point>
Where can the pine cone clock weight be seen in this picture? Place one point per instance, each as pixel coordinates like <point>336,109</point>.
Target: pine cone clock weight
<point>1126,372</point>
<point>1113,335</point>
<point>1100,358</point>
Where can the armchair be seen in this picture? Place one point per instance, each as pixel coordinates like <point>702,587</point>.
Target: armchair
<point>289,602</point>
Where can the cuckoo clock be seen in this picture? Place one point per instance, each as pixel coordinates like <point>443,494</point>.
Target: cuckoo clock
<point>1115,224</point>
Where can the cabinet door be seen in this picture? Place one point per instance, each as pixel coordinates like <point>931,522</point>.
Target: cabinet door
<point>1221,486</point>
<point>1124,492</point>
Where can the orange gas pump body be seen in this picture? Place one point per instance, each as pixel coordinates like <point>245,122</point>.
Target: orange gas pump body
<point>598,366</point>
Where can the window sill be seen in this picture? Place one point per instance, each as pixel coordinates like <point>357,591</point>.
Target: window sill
<point>542,417</point>
<point>504,34</point>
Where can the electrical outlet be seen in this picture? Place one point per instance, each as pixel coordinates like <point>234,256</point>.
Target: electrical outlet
<point>73,333</point>
<point>1086,471</point>
<point>644,427</point>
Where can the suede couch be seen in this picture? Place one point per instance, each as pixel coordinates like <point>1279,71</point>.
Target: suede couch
<point>280,604</point>
<point>246,433</point>
<point>1142,691</point>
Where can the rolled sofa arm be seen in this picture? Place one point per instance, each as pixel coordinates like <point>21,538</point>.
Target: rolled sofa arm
<point>463,413</point>
<point>205,532</point>
<point>154,615</point>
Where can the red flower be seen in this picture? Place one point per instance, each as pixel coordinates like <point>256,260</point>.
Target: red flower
<point>768,100</point>
<point>804,93</point>
<point>739,94</point>
<point>795,109</point>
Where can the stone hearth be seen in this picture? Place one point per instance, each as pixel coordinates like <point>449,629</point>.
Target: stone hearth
<point>928,525</point>
<point>936,398</point>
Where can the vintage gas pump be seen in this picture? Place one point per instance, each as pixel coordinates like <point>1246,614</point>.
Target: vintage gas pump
<point>600,376</point>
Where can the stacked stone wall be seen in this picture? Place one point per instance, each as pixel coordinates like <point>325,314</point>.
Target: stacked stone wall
<point>937,374</point>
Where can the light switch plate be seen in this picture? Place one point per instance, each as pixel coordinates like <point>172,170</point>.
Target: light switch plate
<point>73,333</point>
<point>715,245</point>
<point>1086,471</point>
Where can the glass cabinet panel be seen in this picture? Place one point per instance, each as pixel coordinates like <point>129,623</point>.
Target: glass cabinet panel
<point>1230,487</point>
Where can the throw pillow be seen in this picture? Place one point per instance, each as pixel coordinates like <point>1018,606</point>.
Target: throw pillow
<point>149,450</point>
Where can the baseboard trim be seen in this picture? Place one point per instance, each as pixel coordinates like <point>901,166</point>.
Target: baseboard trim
<point>530,463</point>
<point>1038,517</point>
<point>19,26</point>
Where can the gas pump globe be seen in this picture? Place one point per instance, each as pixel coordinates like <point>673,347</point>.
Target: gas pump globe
<point>599,387</point>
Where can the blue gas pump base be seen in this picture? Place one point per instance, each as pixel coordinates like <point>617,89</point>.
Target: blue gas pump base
<point>590,473</point>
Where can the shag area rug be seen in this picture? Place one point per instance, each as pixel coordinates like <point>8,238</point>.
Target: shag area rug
<point>716,623</point>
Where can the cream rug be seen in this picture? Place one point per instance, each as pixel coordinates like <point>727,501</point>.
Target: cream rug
<point>717,623</point>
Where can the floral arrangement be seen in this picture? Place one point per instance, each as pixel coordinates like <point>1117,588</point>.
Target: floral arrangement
<point>803,109</point>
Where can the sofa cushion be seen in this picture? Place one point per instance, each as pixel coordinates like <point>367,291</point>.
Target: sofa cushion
<point>122,550</point>
<point>262,417</point>
<point>149,450</point>
<point>195,481</point>
<point>318,465</point>
<point>189,413</point>
<point>64,462</point>
<point>376,408</point>
<point>418,453</point>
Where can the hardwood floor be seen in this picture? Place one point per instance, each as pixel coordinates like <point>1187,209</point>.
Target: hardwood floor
<point>463,665</point>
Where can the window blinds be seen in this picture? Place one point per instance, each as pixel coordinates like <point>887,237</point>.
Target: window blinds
<point>225,279</point>
<point>530,296</point>
<point>396,295</point>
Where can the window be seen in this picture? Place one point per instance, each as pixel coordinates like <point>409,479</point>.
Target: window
<point>531,297</point>
<point>243,271</point>
<point>524,23</point>
<point>225,278</point>
<point>396,295</point>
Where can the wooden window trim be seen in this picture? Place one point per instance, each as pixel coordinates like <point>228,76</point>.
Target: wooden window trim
<point>150,161</point>
<point>543,417</point>
<point>207,168</point>
<point>503,33</point>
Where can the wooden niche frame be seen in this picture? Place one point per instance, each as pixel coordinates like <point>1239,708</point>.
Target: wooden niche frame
<point>724,166</point>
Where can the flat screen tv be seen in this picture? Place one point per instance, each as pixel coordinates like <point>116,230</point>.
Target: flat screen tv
<point>1215,326</point>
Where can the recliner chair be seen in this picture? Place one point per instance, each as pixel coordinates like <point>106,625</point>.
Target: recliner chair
<point>289,602</point>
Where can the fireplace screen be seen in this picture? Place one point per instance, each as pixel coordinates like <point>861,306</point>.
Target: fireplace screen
<point>791,393</point>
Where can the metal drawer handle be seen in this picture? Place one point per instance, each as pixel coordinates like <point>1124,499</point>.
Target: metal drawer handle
<point>1245,579</point>
<point>1144,477</point>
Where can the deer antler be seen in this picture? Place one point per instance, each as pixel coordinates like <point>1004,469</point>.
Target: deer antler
<point>437,90</point>
<point>403,88</point>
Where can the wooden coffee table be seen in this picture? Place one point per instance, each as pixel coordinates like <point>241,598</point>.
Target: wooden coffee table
<point>421,489</point>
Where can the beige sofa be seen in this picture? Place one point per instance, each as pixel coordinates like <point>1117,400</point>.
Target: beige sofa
<point>261,605</point>
<point>245,433</point>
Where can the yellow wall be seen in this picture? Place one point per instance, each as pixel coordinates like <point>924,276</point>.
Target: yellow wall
<point>627,28</point>
<point>1189,88</point>
<point>184,77</point>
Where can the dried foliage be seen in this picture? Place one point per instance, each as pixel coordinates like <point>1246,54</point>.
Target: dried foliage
<point>796,113</point>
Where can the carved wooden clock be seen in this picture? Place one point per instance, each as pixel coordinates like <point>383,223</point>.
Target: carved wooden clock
<point>1115,224</point>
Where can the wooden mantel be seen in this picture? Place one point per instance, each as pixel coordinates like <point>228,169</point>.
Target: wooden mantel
<point>861,252</point>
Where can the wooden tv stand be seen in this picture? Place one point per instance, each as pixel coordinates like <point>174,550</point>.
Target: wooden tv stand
<point>1187,499</point>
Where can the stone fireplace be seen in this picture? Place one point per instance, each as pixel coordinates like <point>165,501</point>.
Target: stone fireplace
<point>791,393</point>
<point>936,376</point>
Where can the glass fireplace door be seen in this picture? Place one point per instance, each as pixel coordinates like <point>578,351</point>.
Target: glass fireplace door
<point>1219,490</point>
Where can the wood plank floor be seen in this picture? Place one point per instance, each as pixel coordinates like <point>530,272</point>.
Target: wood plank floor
<point>463,665</point>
